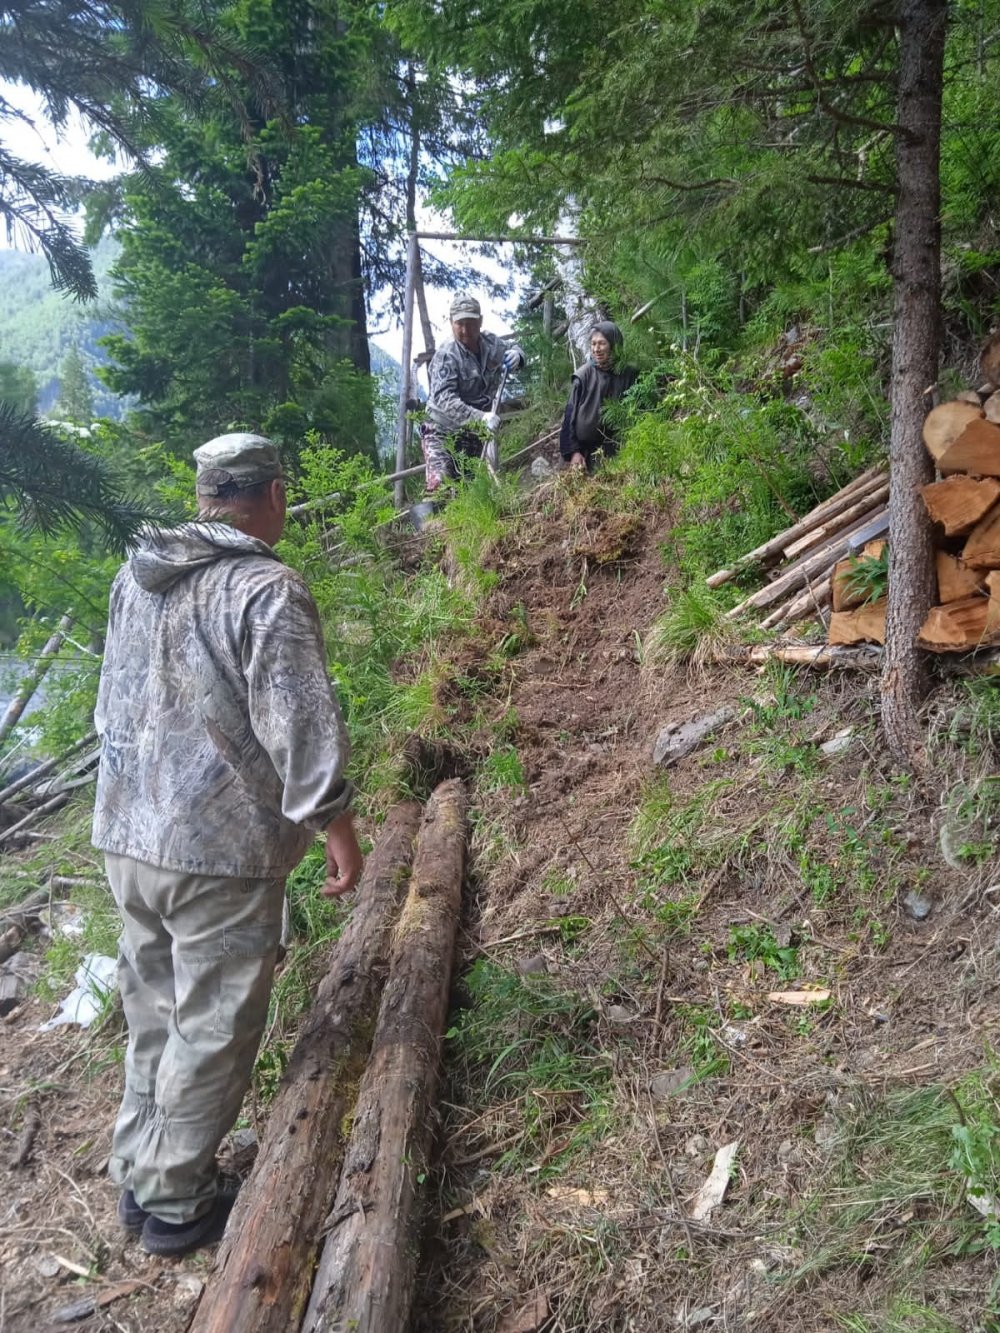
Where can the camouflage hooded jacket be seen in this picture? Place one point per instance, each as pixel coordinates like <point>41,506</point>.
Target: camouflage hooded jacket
<point>463,383</point>
<point>222,743</point>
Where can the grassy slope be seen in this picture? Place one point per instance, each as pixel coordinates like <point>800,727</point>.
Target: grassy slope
<point>624,925</point>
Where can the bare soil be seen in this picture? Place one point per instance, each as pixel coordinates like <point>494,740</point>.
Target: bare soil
<point>531,1230</point>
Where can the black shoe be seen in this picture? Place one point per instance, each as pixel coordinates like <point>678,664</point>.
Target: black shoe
<point>172,1239</point>
<point>131,1216</point>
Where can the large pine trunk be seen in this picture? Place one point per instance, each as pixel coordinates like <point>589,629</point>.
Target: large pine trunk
<point>264,1267</point>
<point>916,341</point>
<point>366,1275</point>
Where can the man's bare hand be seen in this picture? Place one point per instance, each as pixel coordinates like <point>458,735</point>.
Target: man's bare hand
<point>343,857</point>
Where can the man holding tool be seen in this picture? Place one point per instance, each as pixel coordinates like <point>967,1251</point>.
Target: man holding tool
<point>222,756</point>
<point>467,377</point>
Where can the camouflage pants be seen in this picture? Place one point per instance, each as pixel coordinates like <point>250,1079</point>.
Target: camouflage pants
<point>196,963</point>
<point>444,451</point>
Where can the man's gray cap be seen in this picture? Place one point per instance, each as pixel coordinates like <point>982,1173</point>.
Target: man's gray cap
<point>465,306</point>
<point>241,459</point>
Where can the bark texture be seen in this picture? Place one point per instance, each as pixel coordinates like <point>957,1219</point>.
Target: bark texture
<point>916,341</point>
<point>367,1271</point>
<point>264,1267</point>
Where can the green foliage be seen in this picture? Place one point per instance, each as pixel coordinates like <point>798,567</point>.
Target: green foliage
<point>51,482</point>
<point>867,577</point>
<point>527,1040</point>
<point>756,943</point>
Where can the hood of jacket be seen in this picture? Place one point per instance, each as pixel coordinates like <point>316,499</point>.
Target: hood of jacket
<point>166,555</point>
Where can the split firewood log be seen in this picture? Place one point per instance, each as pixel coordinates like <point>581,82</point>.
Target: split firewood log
<point>865,624</point>
<point>961,626</point>
<point>945,423</point>
<point>982,547</point>
<point>959,502</point>
<point>955,579</point>
<point>977,450</point>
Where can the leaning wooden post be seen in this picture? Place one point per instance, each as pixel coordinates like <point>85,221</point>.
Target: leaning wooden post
<point>264,1266</point>
<point>33,679</point>
<point>367,1272</point>
<point>412,259</point>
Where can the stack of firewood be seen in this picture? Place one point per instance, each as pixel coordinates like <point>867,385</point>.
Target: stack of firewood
<point>803,557</point>
<point>838,550</point>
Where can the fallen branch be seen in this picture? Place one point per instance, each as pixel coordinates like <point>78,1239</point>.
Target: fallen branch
<point>38,774</point>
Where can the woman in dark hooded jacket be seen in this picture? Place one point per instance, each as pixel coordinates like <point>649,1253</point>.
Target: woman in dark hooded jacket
<point>584,430</point>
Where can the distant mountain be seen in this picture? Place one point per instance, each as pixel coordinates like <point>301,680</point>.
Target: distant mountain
<point>38,326</point>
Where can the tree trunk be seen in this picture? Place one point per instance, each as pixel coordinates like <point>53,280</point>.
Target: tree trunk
<point>915,347</point>
<point>264,1267</point>
<point>366,1275</point>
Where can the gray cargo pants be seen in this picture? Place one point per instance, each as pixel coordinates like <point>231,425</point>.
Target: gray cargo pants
<point>196,964</point>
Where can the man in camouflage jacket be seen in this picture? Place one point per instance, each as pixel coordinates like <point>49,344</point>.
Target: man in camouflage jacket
<point>222,756</point>
<point>464,376</point>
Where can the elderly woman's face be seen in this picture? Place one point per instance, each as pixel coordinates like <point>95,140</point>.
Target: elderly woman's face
<point>600,349</point>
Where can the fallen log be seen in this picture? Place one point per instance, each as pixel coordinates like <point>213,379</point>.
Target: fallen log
<point>821,655</point>
<point>867,504</point>
<point>263,1269</point>
<point>773,548</point>
<point>677,739</point>
<point>43,770</point>
<point>798,576</point>
<point>367,1272</point>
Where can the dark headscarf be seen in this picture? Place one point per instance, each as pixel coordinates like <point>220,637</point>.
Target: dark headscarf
<point>608,329</point>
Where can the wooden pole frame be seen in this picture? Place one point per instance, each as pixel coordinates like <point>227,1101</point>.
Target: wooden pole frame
<point>412,253</point>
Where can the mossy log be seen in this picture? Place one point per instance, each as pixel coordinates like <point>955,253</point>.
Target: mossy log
<point>264,1267</point>
<point>367,1272</point>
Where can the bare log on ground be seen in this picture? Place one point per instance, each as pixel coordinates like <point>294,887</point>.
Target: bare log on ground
<point>264,1266</point>
<point>819,655</point>
<point>43,770</point>
<point>367,1272</point>
<point>678,739</point>
<point>773,548</point>
<point>796,578</point>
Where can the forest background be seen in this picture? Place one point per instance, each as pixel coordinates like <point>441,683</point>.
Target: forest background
<point>735,171</point>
